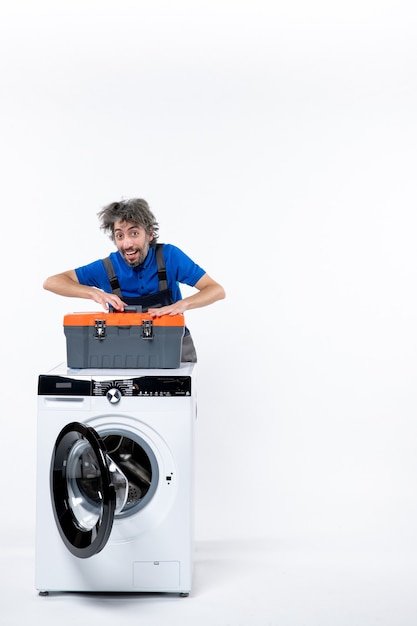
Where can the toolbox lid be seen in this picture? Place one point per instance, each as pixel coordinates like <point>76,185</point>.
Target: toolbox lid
<point>118,318</point>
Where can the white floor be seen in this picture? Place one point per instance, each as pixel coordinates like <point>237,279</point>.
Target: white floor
<point>282,582</point>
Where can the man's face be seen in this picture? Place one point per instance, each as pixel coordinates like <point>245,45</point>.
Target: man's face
<point>132,241</point>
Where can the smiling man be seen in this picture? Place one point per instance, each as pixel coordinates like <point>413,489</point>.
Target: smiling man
<point>141,271</point>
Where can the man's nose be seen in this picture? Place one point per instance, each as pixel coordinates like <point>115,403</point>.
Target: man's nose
<point>128,241</point>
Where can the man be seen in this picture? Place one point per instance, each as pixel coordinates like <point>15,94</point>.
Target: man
<point>141,272</point>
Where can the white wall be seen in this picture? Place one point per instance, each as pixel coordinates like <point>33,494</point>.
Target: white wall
<point>276,143</point>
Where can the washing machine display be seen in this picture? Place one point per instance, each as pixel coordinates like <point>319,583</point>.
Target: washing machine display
<point>114,480</point>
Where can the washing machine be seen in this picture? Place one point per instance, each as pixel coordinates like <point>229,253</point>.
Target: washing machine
<point>114,485</point>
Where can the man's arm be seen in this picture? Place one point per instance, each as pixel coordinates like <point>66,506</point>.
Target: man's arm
<point>209,291</point>
<point>67,284</point>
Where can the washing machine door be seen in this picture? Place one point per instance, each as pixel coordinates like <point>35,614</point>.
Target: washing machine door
<point>86,488</point>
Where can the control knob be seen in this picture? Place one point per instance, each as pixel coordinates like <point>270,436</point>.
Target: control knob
<point>114,395</point>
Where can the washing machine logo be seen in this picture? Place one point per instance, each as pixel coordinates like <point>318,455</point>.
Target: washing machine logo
<point>114,395</point>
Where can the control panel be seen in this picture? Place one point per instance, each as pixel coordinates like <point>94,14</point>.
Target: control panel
<point>145,386</point>
<point>139,386</point>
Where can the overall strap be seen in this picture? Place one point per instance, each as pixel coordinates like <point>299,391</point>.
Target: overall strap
<point>162,274</point>
<point>114,283</point>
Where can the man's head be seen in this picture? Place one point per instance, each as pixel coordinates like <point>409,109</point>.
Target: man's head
<point>132,227</point>
<point>135,211</point>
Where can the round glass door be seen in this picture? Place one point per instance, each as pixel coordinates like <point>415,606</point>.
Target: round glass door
<point>87,488</point>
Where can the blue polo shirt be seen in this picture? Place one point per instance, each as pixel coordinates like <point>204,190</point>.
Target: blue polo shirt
<point>143,279</point>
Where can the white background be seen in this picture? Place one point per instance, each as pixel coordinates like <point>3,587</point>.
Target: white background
<point>276,144</point>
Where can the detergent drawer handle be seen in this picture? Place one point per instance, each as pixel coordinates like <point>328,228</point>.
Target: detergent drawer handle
<point>52,400</point>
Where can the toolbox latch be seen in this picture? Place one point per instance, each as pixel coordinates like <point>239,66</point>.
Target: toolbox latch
<point>100,329</point>
<point>147,329</point>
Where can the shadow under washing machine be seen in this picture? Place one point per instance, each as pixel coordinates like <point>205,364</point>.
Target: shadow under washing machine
<point>114,505</point>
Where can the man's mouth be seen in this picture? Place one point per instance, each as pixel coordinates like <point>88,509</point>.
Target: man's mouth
<point>132,255</point>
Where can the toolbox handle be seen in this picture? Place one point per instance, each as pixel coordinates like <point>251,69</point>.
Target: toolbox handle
<point>129,308</point>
